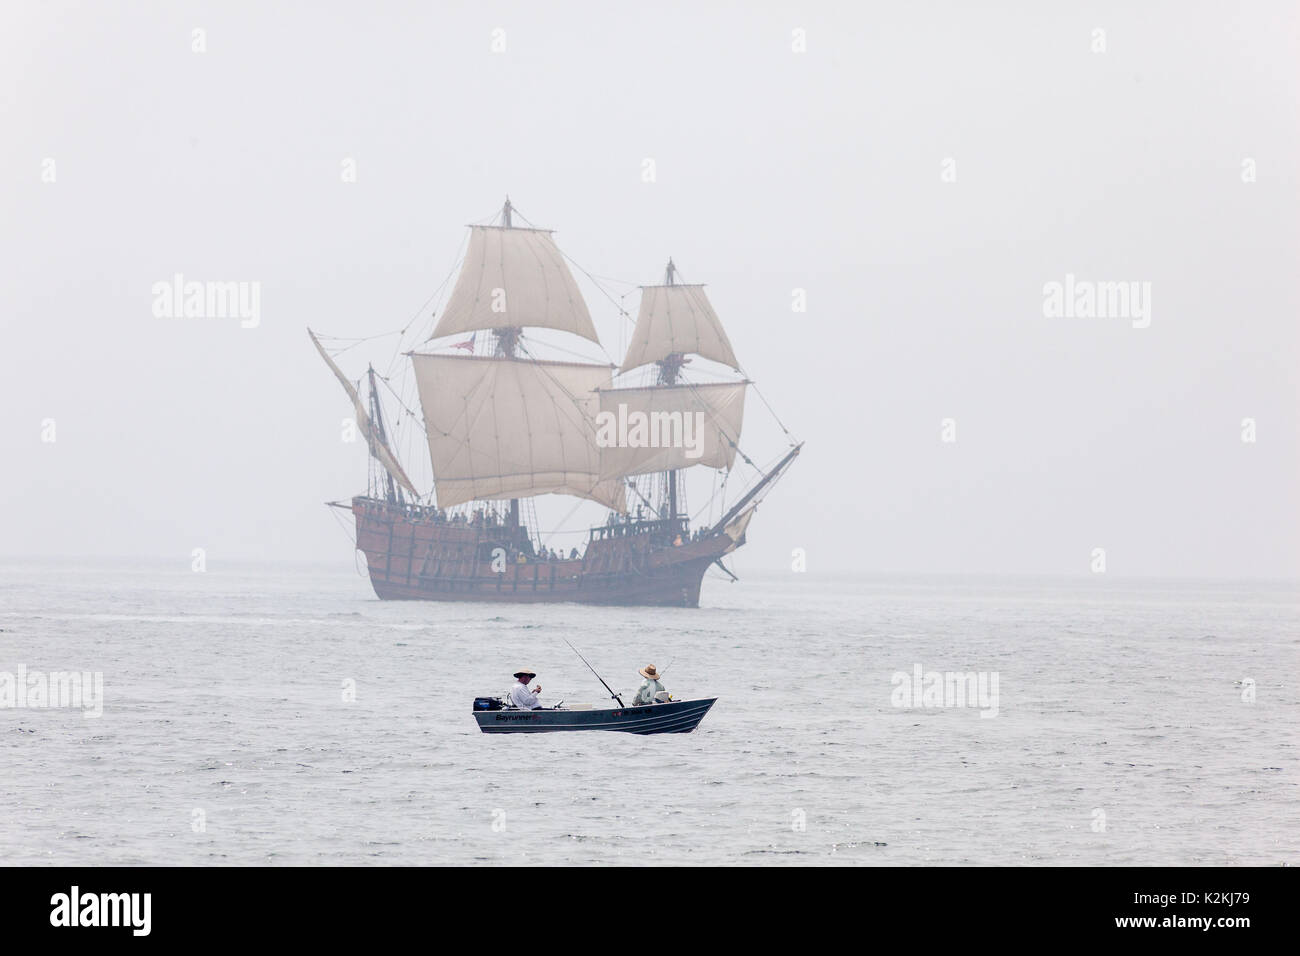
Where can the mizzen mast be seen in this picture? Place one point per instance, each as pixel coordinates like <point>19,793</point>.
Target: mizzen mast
<point>370,422</point>
<point>393,491</point>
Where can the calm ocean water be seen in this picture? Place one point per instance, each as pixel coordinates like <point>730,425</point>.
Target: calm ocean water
<point>1124,733</point>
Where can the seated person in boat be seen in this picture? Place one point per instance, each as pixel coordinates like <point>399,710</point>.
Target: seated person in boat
<point>520,696</point>
<point>650,691</point>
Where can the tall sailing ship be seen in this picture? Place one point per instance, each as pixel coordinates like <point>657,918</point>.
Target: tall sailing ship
<point>504,427</point>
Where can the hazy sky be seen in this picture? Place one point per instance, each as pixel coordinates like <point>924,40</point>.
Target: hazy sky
<point>921,170</point>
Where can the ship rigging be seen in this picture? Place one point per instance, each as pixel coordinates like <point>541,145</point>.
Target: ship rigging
<point>504,426</point>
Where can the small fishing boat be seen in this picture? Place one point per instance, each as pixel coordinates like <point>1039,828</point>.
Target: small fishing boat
<point>496,716</point>
<point>673,717</point>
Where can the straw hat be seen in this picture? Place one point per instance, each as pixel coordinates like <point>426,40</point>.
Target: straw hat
<point>649,671</point>
<point>525,673</point>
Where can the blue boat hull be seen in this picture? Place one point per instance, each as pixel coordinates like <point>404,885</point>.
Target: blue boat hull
<point>674,717</point>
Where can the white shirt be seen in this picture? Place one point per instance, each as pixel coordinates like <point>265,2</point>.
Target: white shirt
<point>646,692</point>
<point>523,698</point>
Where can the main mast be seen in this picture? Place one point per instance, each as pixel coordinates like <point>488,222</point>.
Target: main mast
<point>507,336</point>
<point>507,341</point>
<point>501,424</point>
<point>669,367</point>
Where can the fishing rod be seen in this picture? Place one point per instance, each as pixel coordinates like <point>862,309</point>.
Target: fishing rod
<point>593,670</point>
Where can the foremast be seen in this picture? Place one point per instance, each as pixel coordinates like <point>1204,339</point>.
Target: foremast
<point>676,321</point>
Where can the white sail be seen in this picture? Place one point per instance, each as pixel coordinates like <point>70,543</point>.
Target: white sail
<point>513,278</point>
<point>512,428</point>
<point>735,530</point>
<point>665,427</point>
<point>677,318</point>
<point>377,447</point>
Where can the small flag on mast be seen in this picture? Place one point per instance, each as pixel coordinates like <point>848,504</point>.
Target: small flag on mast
<point>467,345</point>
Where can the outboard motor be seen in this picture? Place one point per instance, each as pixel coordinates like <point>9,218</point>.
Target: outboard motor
<point>487,703</point>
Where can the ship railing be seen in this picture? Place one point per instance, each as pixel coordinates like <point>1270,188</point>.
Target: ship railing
<point>663,527</point>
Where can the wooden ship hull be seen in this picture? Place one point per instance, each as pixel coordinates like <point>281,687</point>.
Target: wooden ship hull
<point>413,553</point>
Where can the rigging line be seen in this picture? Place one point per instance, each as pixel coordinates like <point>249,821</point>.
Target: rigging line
<point>702,302</point>
<point>560,348</point>
<point>761,396</point>
<point>455,262</point>
<point>395,395</point>
<point>418,312</point>
<point>775,418</point>
<point>349,348</point>
<point>721,431</point>
<point>762,474</point>
<point>530,512</point>
<point>514,210</point>
<point>356,564</point>
<point>428,495</point>
<point>401,386</point>
<point>589,275</point>
<point>457,258</point>
<point>603,291</point>
<point>634,285</point>
<point>541,365</point>
<point>490,217</point>
<point>355,339</point>
<point>355,342</point>
<point>708,505</point>
<point>631,483</point>
<point>550,534</point>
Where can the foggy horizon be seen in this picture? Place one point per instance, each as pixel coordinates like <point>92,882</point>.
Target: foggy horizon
<point>923,218</point>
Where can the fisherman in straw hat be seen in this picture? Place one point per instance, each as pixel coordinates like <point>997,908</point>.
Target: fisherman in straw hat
<point>520,695</point>
<point>650,687</point>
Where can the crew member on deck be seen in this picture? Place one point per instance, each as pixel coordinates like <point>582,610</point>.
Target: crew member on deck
<point>521,696</point>
<point>650,687</point>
